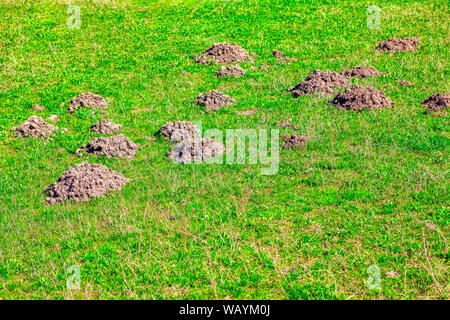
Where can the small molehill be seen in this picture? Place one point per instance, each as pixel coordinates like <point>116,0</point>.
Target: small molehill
<point>223,53</point>
<point>214,100</point>
<point>404,82</point>
<point>37,107</point>
<point>293,141</point>
<point>437,103</point>
<point>105,127</point>
<point>87,100</point>
<point>111,147</point>
<point>83,182</point>
<point>179,130</point>
<point>279,55</point>
<point>230,71</point>
<point>321,82</point>
<point>34,127</point>
<point>361,72</point>
<point>357,98</point>
<point>195,150</point>
<point>403,44</point>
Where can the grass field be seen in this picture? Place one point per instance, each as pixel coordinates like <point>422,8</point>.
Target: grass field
<point>368,195</point>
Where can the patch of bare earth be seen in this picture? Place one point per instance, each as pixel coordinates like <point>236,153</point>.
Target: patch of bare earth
<point>321,82</point>
<point>34,127</point>
<point>358,98</point>
<point>223,53</point>
<point>279,55</point>
<point>87,100</point>
<point>214,100</point>
<point>403,44</point>
<point>117,146</point>
<point>293,141</point>
<point>230,71</point>
<point>247,112</point>
<point>195,150</point>
<point>83,182</point>
<point>285,124</point>
<point>105,127</point>
<point>437,104</point>
<point>179,130</point>
<point>404,82</point>
<point>361,72</point>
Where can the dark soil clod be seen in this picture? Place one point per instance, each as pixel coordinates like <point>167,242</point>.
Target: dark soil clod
<point>321,82</point>
<point>293,141</point>
<point>403,44</point>
<point>437,104</point>
<point>357,98</point>
<point>87,100</point>
<point>214,100</point>
<point>223,53</point>
<point>83,182</point>
<point>34,127</point>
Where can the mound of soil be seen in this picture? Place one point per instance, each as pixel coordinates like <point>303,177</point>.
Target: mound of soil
<point>87,100</point>
<point>223,53</point>
<point>83,182</point>
<point>230,71</point>
<point>214,100</point>
<point>189,151</point>
<point>361,72</point>
<point>403,44</point>
<point>34,127</point>
<point>357,98</point>
<point>279,55</point>
<point>322,82</point>
<point>105,127</point>
<point>293,141</point>
<point>175,131</point>
<point>437,103</point>
<point>111,147</point>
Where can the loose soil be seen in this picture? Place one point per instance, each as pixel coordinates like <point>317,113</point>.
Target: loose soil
<point>223,53</point>
<point>196,150</point>
<point>117,146</point>
<point>403,44</point>
<point>105,127</point>
<point>357,98</point>
<point>230,71</point>
<point>293,141</point>
<point>214,100</point>
<point>437,103</point>
<point>178,130</point>
<point>321,82</point>
<point>83,182</point>
<point>361,72</point>
<point>34,127</point>
<point>87,100</point>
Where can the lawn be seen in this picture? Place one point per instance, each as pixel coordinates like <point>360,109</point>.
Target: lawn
<point>361,212</point>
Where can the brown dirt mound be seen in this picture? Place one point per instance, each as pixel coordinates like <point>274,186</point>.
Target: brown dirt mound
<point>357,98</point>
<point>437,103</point>
<point>230,71</point>
<point>403,44</point>
<point>214,100</point>
<point>361,72</point>
<point>189,151</point>
<point>322,82</point>
<point>83,182</point>
<point>111,147</point>
<point>404,82</point>
<point>175,131</point>
<point>34,127</point>
<point>87,100</point>
<point>105,127</point>
<point>37,107</point>
<point>293,141</point>
<point>223,53</point>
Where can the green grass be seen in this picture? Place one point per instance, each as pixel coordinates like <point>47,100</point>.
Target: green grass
<point>370,188</point>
